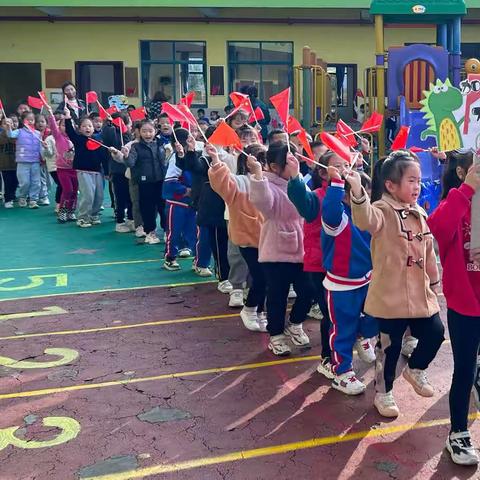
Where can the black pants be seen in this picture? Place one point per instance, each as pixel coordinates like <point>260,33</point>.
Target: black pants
<point>279,276</point>
<point>257,291</point>
<point>319,295</point>
<point>151,204</point>
<point>218,237</point>
<point>428,331</point>
<point>465,337</point>
<point>58,191</point>
<point>11,183</point>
<point>122,197</point>
<point>112,194</point>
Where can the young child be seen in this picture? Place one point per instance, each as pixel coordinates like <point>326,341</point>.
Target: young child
<point>7,161</point>
<point>164,129</point>
<point>281,247</point>
<point>244,226</point>
<point>49,155</point>
<point>451,226</point>
<point>27,156</point>
<point>97,123</point>
<point>148,165</point>
<point>89,164</point>
<point>66,175</point>
<point>181,224</point>
<point>404,275</point>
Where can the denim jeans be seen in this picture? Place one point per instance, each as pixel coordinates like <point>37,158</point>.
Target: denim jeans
<point>28,175</point>
<point>90,185</point>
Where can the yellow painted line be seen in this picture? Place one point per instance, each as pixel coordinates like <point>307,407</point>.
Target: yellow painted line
<point>122,327</point>
<point>80,265</point>
<point>166,376</point>
<point>105,290</point>
<point>273,450</point>
<point>39,313</point>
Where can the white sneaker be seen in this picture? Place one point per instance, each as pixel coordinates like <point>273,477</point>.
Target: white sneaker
<point>32,204</point>
<point>325,368</point>
<point>122,228</point>
<point>171,265</point>
<point>95,220</point>
<point>296,334</point>
<point>140,232</point>
<point>409,344</point>
<point>131,225</point>
<point>83,223</point>
<point>250,319</point>
<point>44,202</point>
<point>279,346</point>
<point>9,204</point>
<point>315,312</point>
<point>385,404</point>
<point>203,271</point>
<point>459,444</point>
<point>185,253</point>
<point>236,299</point>
<point>365,350</point>
<point>225,287</point>
<point>348,383</point>
<point>419,381</point>
<point>151,239</point>
<point>292,293</point>
<point>22,202</point>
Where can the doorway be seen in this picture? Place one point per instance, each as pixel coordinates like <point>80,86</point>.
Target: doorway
<point>105,78</point>
<point>346,77</point>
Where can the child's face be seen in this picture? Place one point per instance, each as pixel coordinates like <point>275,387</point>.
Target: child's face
<point>238,121</point>
<point>97,123</point>
<point>30,119</point>
<point>248,138</point>
<point>164,126</point>
<point>14,121</point>
<point>339,163</point>
<point>203,126</point>
<point>22,108</point>
<point>147,133</point>
<point>61,125</point>
<point>408,190</point>
<point>41,124</point>
<point>86,128</point>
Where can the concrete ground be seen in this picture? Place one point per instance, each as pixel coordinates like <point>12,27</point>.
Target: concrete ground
<point>146,380</point>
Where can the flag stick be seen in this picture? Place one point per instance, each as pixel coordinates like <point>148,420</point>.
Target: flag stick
<point>288,142</point>
<point>309,160</point>
<point>174,135</point>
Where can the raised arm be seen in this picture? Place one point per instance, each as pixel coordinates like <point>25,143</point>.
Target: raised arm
<point>306,202</point>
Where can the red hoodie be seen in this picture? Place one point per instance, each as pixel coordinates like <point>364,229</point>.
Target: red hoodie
<point>450,224</point>
<point>312,260</point>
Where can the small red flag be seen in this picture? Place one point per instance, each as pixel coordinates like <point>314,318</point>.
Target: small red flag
<point>118,122</point>
<point>188,99</point>
<point>102,112</point>
<point>400,141</point>
<point>346,134</point>
<point>225,136</point>
<point>417,149</point>
<point>373,124</point>
<point>173,112</point>
<point>302,136</point>
<point>242,101</point>
<point>360,93</point>
<point>293,125</point>
<point>91,97</point>
<point>256,116</point>
<point>337,146</point>
<point>112,109</point>
<point>43,98</point>
<point>94,144</point>
<point>281,102</point>
<point>138,114</point>
<point>1,106</point>
<point>35,102</point>
<point>189,116</point>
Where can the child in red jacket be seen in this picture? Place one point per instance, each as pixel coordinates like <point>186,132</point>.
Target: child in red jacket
<point>450,223</point>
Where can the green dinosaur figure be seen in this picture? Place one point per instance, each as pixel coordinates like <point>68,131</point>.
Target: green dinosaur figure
<point>438,105</point>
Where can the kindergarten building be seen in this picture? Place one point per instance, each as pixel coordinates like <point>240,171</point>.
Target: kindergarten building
<point>141,47</point>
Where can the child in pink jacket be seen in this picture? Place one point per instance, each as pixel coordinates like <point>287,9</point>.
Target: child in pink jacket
<point>281,247</point>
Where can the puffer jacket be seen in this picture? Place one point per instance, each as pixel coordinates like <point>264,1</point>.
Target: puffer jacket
<point>147,161</point>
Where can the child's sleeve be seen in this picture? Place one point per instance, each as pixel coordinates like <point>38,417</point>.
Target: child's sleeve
<point>196,163</point>
<point>71,132</point>
<point>222,182</point>
<point>446,218</point>
<point>261,195</point>
<point>13,133</point>
<point>365,216</point>
<point>431,265</point>
<point>334,218</point>
<point>306,202</point>
<point>53,127</point>
<point>131,160</point>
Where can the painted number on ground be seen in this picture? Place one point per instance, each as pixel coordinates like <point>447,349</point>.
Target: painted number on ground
<point>67,355</point>
<point>46,311</point>
<point>61,280</point>
<point>69,427</point>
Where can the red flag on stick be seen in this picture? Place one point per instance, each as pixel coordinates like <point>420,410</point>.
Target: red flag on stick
<point>242,101</point>
<point>400,141</point>
<point>293,125</point>
<point>373,124</point>
<point>138,114</point>
<point>225,136</point>
<point>118,122</point>
<point>173,112</point>
<point>188,99</point>
<point>94,144</point>
<point>256,116</point>
<point>35,102</point>
<point>302,136</point>
<point>346,133</point>
<point>43,99</point>
<point>337,146</point>
<point>281,102</point>
<point>112,109</point>
<point>2,108</point>
<point>189,116</point>
<point>91,97</point>
<point>102,112</point>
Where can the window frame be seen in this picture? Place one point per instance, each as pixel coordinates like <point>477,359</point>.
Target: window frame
<point>174,62</point>
<point>260,63</point>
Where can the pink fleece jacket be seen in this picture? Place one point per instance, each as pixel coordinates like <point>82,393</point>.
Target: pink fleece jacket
<point>63,144</point>
<point>281,236</point>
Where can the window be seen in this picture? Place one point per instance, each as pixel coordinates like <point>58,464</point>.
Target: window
<point>174,68</point>
<point>268,65</point>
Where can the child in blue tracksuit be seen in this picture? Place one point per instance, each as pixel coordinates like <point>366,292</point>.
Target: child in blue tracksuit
<point>347,259</point>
